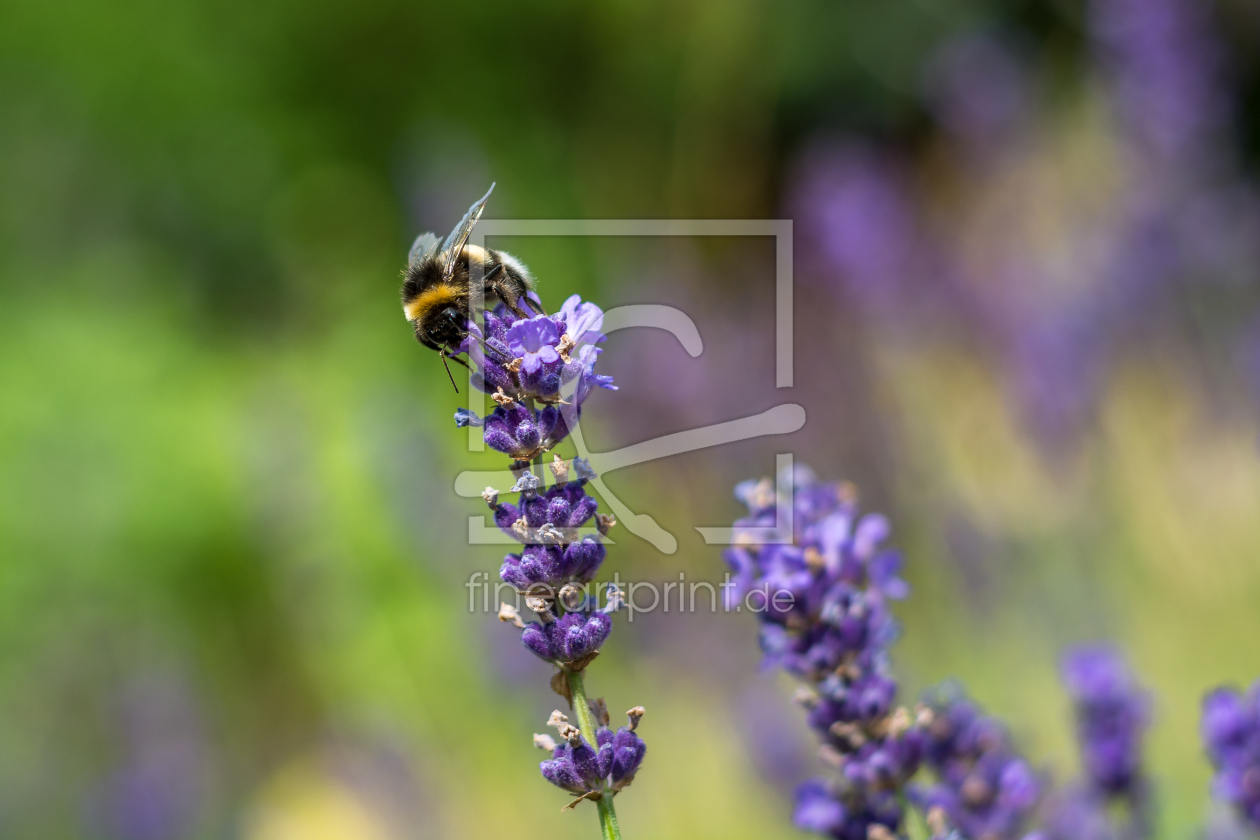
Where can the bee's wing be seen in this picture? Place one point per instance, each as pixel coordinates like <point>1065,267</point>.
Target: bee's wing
<point>426,245</point>
<point>454,243</point>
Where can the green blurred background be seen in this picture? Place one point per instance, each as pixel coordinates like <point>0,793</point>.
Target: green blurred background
<point>232,597</point>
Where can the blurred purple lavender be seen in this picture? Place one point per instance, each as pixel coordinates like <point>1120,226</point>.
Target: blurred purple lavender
<point>1164,63</point>
<point>1231,736</point>
<point>158,790</point>
<point>1111,799</point>
<point>983,787</point>
<point>977,88</point>
<point>1112,715</point>
<point>857,217</point>
<point>913,240</point>
<point>822,600</point>
<point>780,753</point>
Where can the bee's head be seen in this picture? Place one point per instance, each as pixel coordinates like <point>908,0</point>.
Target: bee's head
<point>445,326</point>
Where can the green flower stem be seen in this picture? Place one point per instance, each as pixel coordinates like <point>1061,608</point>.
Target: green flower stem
<point>607,814</point>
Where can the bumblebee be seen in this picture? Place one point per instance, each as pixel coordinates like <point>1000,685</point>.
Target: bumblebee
<point>439,284</point>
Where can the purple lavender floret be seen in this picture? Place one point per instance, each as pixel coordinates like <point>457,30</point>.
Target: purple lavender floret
<point>557,551</point>
<point>562,505</point>
<point>534,342</point>
<point>544,569</point>
<point>541,360</point>
<point>519,431</point>
<point>1112,714</point>
<point>984,788</point>
<point>1231,735</point>
<point>546,358</point>
<point>1079,812</point>
<point>823,602</point>
<point>592,771</point>
<point>569,638</point>
<point>845,814</point>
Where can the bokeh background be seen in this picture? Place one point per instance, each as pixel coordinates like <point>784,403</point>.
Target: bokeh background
<point>232,563</point>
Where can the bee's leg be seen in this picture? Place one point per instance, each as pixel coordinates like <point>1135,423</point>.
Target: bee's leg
<point>510,296</point>
<point>496,283</point>
<point>448,373</point>
<point>443,353</point>
<point>456,359</point>
<point>516,309</point>
<point>508,280</point>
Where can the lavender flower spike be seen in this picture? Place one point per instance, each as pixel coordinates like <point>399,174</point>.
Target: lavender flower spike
<point>1112,715</point>
<point>1111,799</point>
<point>539,369</point>
<point>823,605</point>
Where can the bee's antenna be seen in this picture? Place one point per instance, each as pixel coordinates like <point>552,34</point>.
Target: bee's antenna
<point>446,365</point>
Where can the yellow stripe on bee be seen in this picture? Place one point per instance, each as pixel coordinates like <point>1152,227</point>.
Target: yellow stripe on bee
<point>429,299</point>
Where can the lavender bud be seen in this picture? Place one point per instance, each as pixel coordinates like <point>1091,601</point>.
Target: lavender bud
<point>497,436</point>
<point>628,750</point>
<point>538,640</point>
<point>607,753</point>
<point>581,512</point>
<point>561,773</point>
<point>587,763</point>
<point>558,508</point>
<point>506,516</point>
